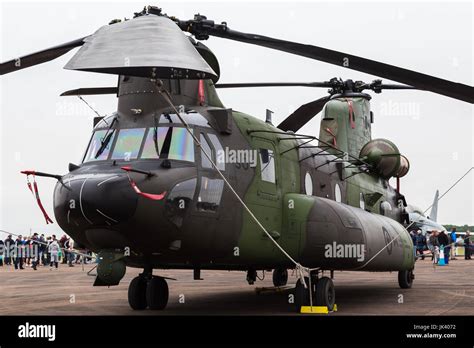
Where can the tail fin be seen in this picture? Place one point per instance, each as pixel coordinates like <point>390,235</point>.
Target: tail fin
<point>434,208</point>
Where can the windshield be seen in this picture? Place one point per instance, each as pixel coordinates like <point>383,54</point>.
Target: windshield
<point>146,143</point>
<point>128,144</point>
<point>95,145</point>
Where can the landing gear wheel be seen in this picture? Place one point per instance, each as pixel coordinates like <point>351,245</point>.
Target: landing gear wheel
<point>301,294</point>
<point>280,277</point>
<point>325,293</point>
<point>157,293</point>
<point>137,293</point>
<point>405,279</point>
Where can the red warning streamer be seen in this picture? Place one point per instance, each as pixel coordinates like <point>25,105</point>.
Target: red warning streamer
<point>201,95</point>
<point>351,113</point>
<point>154,197</point>
<point>34,190</point>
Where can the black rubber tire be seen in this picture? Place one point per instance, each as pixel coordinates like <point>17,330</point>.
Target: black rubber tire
<point>405,279</point>
<point>280,277</point>
<point>157,293</point>
<point>301,294</point>
<point>325,293</point>
<point>137,293</point>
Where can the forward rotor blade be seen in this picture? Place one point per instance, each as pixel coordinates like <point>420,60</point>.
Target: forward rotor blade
<point>394,87</point>
<point>90,91</point>
<point>303,115</point>
<point>39,57</point>
<point>201,27</point>
<point>274,84</point>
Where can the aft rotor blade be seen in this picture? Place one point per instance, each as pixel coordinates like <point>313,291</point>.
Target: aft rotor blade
<point>90,91</point>
<point>39,57</point>
<point>303,115</point>
<point>203,28</point>
<point>273,84</point>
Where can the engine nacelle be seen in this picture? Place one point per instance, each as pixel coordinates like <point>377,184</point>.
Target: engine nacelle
<point>341,237</point>
<point>385,158</point>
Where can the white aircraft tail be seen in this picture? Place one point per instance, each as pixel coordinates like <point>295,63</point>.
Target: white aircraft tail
<point>434,208</point>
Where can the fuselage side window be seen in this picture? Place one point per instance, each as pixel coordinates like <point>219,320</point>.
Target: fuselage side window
<point>205,147</point>
<point>308,184</point>
<point>267,165</point>
<point>220,158</point>
<point>210,194</point>
<point>385,208</point>
<point>361,201</point>
<point>337,193</point>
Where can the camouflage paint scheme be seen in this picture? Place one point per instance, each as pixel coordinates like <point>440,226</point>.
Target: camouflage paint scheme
<point>97,206</point>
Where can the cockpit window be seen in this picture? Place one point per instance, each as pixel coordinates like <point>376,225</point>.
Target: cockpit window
<point>154,142</point>
<point>95,145</point>
<point>128,144</point>
<point>170,142</point>
<point>174,143</point>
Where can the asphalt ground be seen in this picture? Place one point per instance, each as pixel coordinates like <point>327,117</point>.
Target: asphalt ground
<point>447,290</point>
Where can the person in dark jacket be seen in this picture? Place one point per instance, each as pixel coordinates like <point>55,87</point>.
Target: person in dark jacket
<point>420,244</point>
<point>34,251</point>
<point>444,242</point>
<point>19,251</point>
<point>467,246</point>
<point>62,243</point>
<point>434,242</point>
<point>41,249</point>
<point>9,244</point>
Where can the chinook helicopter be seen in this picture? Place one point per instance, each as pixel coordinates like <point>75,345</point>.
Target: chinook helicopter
<point>175,180</point>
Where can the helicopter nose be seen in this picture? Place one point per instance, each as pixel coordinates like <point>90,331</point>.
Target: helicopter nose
<point>107,200</point>
<point>92,201</point>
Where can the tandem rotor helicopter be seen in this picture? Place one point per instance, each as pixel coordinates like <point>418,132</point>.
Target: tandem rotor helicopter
<point>153,190</point>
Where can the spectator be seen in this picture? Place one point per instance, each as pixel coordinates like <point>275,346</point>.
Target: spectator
<point>445,245</point>
<point>18,253</point>
<point>27,250</point>
<point>467,246</point>
<point>53,250</point>
<point>9,244</point>
<point>69,246</point>
<point>420,244</point>
<point>47,258</point>
<point>62,243</point>
<point>428,243</point>
<point>453,243</point>
<point>41,249</point>
<point>434,241</point>
<point>34,251</point>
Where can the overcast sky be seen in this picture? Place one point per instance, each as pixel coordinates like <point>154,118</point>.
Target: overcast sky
<point>43,131</point>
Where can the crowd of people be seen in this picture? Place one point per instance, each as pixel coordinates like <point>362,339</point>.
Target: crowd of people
<point>431,244</point>
<point>38,250</point>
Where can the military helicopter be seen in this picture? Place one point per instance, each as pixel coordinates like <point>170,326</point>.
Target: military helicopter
<point>175,180</point>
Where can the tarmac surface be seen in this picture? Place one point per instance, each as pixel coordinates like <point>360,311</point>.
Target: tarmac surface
<point>447,290</point>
